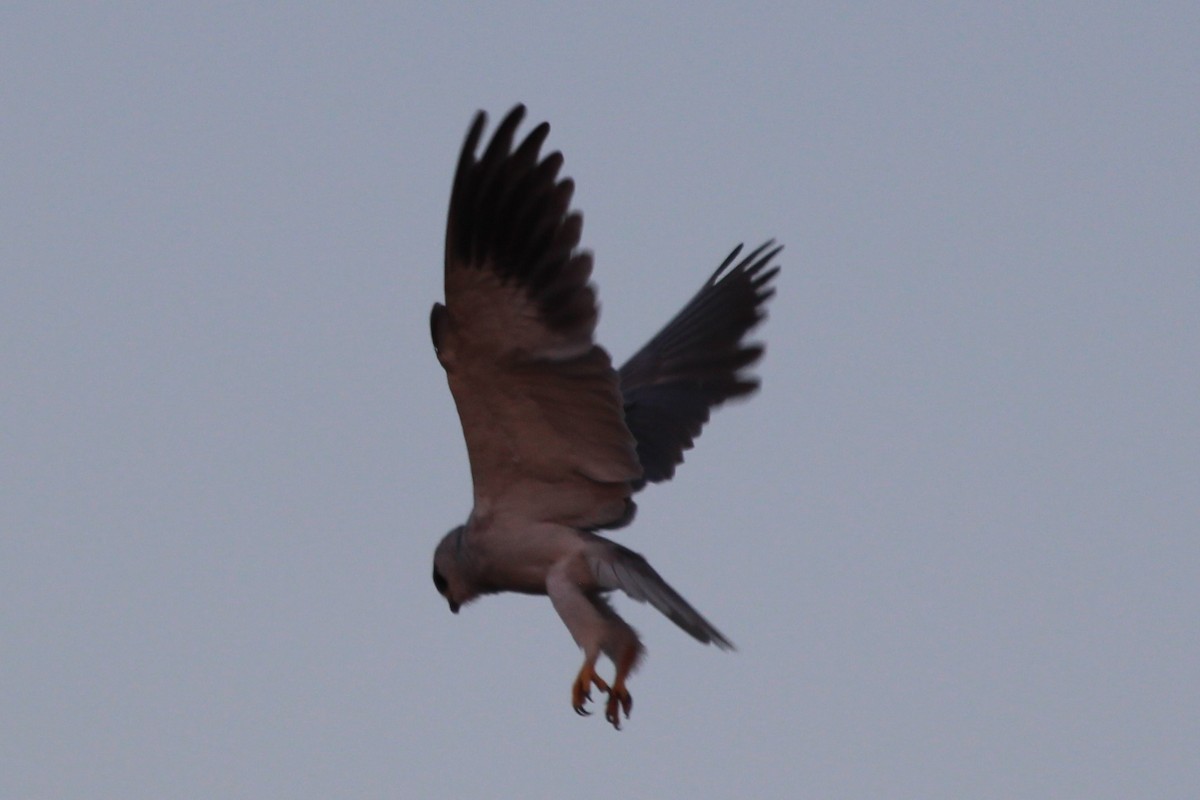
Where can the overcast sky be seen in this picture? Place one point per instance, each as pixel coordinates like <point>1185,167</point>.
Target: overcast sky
<point>955,537</point>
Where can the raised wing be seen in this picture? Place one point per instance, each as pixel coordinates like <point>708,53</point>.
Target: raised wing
<point>539,401</point>
<point>696,362</point>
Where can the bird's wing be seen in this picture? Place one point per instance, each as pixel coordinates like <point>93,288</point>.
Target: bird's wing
<point>617,567</point>
<point>538,399</point>
<point>696,362</point>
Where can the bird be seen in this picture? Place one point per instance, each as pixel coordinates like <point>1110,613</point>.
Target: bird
<point>558,440</point>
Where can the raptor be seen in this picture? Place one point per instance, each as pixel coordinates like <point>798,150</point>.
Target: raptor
<point>558,440</point>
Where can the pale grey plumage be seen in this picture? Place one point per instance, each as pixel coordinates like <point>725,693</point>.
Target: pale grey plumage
<point>558,440</point>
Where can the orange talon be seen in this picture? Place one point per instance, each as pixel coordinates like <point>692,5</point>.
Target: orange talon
<point>581,690</point>
<point>619,699</point>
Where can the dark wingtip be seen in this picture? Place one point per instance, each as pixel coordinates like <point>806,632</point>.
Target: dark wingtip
<point>698,361</point>
<point>471,143</point>
<point>510,213</point>
<point>754,261</point>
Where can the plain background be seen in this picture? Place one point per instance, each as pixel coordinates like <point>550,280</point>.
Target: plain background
<point>954,537</point>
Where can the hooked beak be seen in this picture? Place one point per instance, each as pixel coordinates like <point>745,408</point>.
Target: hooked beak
<point>453,607</point>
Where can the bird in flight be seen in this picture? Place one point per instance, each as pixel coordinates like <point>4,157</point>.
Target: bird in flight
<point>559,441</point>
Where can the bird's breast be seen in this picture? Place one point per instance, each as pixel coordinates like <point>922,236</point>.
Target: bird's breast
<point>518,558</point>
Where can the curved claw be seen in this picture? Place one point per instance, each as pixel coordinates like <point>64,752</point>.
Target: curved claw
<point>580,697</point>
<point>581,693</point>
<point>619,699</point>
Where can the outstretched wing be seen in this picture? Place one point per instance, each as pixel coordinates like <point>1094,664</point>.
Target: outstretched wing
<point>538,399</point>
<point>696,362</point>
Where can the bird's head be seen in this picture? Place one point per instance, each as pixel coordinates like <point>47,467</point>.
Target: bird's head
<point>451,574</point>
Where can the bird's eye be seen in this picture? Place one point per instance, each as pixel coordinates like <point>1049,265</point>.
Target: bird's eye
<point>439,582</point>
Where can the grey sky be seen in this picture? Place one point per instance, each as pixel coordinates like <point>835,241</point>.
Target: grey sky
<point>954,538</point>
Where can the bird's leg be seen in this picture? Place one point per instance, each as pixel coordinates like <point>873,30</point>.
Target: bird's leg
<point>619,698</point>
<point>581,691</point>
